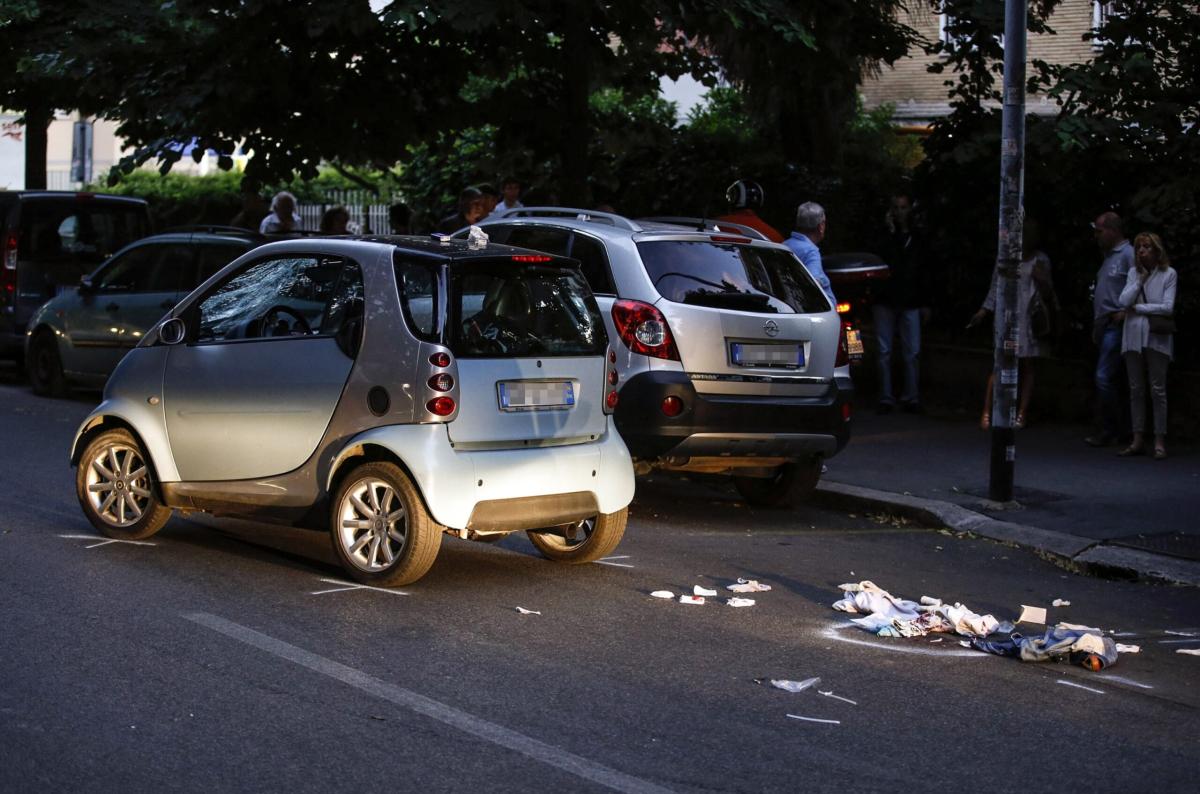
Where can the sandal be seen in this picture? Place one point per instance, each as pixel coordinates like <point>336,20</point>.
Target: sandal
<point>1160,453</point>
<point>1133,450</point>
<point>985,421</point>
<point>1020,423</point>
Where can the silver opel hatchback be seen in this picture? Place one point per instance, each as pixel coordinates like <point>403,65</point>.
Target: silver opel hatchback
<point>387,390</point>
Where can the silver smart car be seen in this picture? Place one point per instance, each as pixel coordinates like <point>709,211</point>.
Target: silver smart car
<point>387,390</point>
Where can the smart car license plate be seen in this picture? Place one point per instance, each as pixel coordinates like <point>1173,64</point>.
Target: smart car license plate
<point>747,355</point>
<point>534,395</point>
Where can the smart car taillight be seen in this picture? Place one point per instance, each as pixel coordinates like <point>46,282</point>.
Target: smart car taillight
<point>610,401</point>
<point>440,360</point>
<point>440,406</point>
<point>644,330</point>
<point>441,382</point>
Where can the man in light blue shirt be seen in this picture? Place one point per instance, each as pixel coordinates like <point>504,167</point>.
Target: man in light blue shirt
<point>1107,318</point>
<point>810,230</point>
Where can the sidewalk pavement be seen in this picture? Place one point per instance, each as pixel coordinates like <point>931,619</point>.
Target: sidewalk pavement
<point>1082,507</point>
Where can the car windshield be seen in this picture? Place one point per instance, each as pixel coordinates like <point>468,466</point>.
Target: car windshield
<point>503,309</point>
<point>730,276</point>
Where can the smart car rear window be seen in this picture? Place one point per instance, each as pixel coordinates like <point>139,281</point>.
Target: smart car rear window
<point>730,276</point>
<point>503,309</point>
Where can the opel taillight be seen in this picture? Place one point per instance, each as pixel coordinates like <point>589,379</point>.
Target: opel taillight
<point>8,266</point>
<point>644,329</point>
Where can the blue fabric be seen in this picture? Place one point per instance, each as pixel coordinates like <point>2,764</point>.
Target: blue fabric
<point>1055,644</point>
<point>1108,381</point>
<point>810,255</point>
<point>887,320</point>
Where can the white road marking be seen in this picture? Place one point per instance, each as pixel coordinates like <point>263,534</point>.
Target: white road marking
<point>608,561</point>
<point>106,541</point>
<point>814,719</point>
<point>833,633</point>
<point>448,715</point>
<point>1182,633</point>
<point>1123,680</point>
<point>1079,686</point>
<point>354,586</point>
<point>1179,642</point>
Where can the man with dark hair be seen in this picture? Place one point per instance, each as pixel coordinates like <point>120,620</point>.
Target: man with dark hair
<point>510,194</point>
<point>491,197</point>
<point>901,305</point>
<point>1107,319</point>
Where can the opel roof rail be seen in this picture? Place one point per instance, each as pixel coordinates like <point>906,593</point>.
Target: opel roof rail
<point>594,216</point>
<point>709,225</point>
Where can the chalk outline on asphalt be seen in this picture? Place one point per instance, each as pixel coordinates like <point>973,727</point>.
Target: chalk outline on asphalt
<point>605,561</point>
<point>448,715</point>
<point>814,719</point>
<point>1123,680</point>
<point>106,541</point>
<point>347,586</point>
<point>831,632</point>
<point>1065,682</point>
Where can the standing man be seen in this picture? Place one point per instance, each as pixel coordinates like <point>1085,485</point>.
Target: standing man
<point>810,230</point>
<point>901,304</point>
<point>1107,319</point>
<point>510,195</point>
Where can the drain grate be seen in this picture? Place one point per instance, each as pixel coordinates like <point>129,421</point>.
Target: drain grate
<point>1174,544</point>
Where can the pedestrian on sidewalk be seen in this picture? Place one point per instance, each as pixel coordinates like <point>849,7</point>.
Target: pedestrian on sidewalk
<point>810,231</point>
<point>1147,339</point>
<point>1107,317</point>
<point>901,304</point>
<point>283,218</point>
<point>745,197</point>
<point>1037,314</point>
<point>470,211</point>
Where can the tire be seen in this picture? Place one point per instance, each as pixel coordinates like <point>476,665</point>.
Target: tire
<point>601,535</point>
<point>792,483</point>
<point>378,514</point>
<point>44,366</point>
<point>115,485</point>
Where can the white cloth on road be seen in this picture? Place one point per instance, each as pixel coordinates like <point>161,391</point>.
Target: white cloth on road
<point>890,616</point>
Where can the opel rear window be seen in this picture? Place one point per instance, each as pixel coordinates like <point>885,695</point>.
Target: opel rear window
<point>730,276</point>
<point>505,309</point>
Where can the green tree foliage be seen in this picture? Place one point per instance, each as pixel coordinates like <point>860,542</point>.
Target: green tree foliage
<point>1124,138</point>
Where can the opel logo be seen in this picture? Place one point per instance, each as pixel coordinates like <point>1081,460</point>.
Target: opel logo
<point>771,327</point>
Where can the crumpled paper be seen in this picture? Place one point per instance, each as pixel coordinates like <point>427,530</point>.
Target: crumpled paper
<point>477,238</point>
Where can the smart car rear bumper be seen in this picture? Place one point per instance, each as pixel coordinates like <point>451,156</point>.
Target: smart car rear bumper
<point>509,489</point>
<point>719,425</point>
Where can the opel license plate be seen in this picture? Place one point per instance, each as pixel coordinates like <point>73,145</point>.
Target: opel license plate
<point>747,355</point>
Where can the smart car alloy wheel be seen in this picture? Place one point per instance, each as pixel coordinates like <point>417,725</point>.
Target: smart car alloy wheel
<point>584,541</point>
<point>381,530</point>
<point>115,486</point>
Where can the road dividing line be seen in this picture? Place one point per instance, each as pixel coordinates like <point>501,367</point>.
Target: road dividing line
<point>354,586</point>
<point>448,715</point>
<point>1080,686</point>
<point>608,561</point>
<point>1179,642</point>
<point>106,541</point>
<point>1123,680</point>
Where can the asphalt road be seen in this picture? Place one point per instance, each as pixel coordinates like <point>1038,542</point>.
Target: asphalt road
<point>233,656</point>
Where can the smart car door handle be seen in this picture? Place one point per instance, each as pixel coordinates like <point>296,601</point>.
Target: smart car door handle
<point>112,307</point>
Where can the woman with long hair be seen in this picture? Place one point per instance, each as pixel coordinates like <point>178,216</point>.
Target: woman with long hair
<point>1147,341</point>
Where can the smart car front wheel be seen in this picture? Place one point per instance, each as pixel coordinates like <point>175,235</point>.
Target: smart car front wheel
<point>382,533</point>
<point>585,541</point>
<point>115,486</point>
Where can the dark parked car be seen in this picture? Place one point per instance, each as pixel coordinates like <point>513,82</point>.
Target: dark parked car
<point>79,336</point>
<point>48,241</point>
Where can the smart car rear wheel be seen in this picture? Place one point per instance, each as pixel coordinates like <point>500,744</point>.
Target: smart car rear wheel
<point>382,533</point>
<point>44,366</point>
<point>584,541</point>
<point>115,486</point>
<point>792,483</point>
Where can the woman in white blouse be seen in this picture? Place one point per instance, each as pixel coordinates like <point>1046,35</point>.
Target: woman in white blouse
<point>1149,291</point>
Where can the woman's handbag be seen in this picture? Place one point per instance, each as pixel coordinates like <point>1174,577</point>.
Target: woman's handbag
<point>1159,323</point>
<point>1041,322</point>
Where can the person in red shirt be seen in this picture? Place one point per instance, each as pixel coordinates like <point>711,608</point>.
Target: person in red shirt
<point>743,196</point>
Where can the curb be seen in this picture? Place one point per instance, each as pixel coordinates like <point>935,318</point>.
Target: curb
<point>1081,555</point>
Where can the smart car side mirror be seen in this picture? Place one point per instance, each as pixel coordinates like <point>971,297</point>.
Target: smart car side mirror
<point>173,331</point>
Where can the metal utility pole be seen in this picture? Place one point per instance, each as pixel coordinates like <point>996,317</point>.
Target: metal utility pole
<point>1008,257</point>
